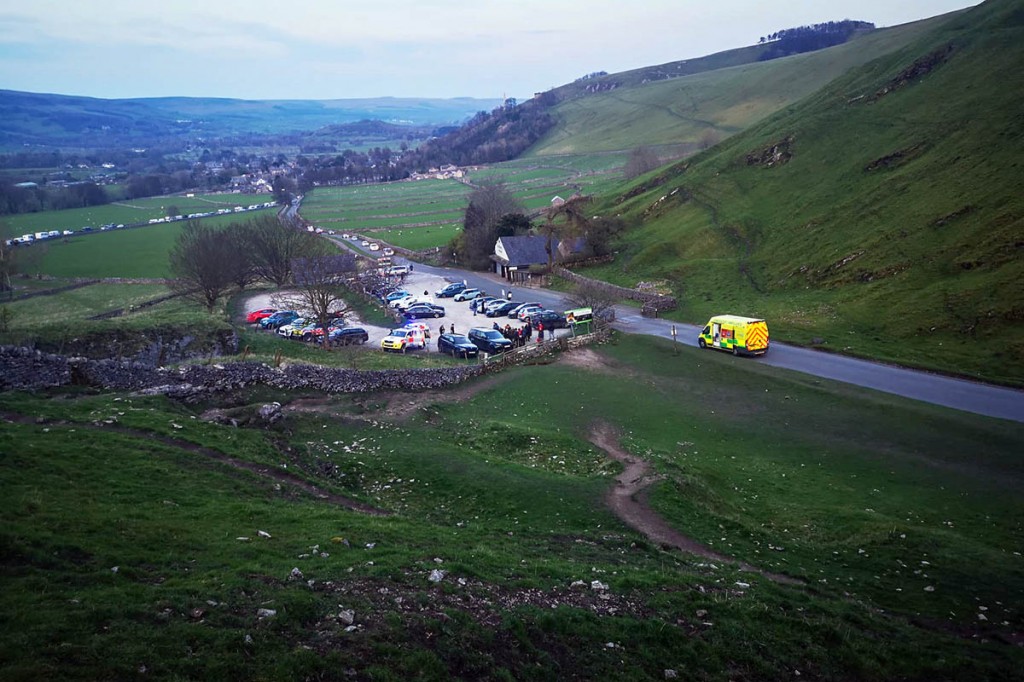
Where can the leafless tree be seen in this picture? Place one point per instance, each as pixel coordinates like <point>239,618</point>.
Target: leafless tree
<point>641,160</point>
<point>489,205</point>
<point>565,221</point>
<point>595,297</point>
<point>243,268</point>
<point>322,278</point>
<point>275,247</point>
<point>201,264</point>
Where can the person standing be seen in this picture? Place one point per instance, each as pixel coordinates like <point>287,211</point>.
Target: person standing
<point>540,332</point>
<point>440,330</point>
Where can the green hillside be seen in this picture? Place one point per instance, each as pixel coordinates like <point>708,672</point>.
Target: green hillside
<point>880,216</point>
<point>689,104</point>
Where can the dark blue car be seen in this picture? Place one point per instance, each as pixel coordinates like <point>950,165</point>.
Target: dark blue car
<point>457,345</point>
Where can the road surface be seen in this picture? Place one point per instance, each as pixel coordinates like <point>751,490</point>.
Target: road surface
<point>959,394</point>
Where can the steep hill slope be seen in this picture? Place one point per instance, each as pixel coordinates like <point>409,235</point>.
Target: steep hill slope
<point>881,215</point>
<point>694,103</point>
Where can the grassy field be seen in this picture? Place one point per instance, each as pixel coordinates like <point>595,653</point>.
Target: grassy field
<point>124,548</point>
<point>133,211</point>
<point>136,252</point>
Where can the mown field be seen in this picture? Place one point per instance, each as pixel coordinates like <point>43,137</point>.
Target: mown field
<point>426,214</point>
<point>137,252</point>
<point>131,546</point>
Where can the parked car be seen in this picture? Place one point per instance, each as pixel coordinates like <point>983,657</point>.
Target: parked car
<point>468,294</point>
<point>388,251</point>
<point>279,318</point>
<point>478,303</point>
<point>404,303</point>
<point>345,336</point>
<point>515,311</point>
<point>255,316</point>
<point>398,270</point>
<point>450,290</point>
<point>526,312</point>
<point>297,324</point>
<point>549,318</point>
<point>395,295</point>
<point>489,340</point>
<point>402,340</point>
<point>500,309</point>
<point>457,345</point>
<point>419,310</point>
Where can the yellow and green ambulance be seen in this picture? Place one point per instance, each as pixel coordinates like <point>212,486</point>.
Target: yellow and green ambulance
<point>735,334</point>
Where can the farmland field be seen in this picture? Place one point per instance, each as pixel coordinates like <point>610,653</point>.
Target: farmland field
<point>133,211</point>
<point>136,252</point>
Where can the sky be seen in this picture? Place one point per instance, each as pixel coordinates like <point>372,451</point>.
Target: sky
<point>338,49</point>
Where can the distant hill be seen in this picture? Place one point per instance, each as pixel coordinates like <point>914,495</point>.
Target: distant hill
<point>881,215</point>
<point>62,120</point>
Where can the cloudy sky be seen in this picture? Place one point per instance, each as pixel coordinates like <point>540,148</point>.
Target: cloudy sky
<point>326,49</point>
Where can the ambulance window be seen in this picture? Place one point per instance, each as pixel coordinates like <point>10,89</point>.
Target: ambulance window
<point>707,330</point>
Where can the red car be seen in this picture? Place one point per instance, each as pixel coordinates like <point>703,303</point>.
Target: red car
<point>257,315</point>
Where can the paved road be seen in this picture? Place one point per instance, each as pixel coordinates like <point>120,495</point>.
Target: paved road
<point>959,394</point>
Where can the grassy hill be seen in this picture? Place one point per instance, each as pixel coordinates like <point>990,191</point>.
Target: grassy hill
<point>140,539</point>
<point>682,106</point>
<point>879,216</point>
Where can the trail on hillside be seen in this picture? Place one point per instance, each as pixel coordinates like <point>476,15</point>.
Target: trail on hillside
<point>628,499</point>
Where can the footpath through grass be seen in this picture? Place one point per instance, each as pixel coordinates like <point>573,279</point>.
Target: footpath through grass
<point>124,552</point>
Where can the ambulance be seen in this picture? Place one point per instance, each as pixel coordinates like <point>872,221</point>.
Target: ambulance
<point>735,334</point>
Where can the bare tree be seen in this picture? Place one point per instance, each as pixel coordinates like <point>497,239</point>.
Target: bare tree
<point>275,247</point>
<point>201,264</point>
<point>243,267</point>
<point>565,221</point>
<point>641,160</point>
<point>595,297</point>
<point>322,277</point>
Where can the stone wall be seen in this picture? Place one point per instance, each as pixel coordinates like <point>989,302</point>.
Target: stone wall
<point>30,369</point>
<point>652,303</point>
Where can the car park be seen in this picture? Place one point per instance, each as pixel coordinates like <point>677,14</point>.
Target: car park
<point>346,336</point>
<point>255,316</point>
<point>424,310</point>
<point>450,290</point>
<point>489,340</point>
<point>279,318</point>
<point>457,345</point>
<point>402,340</point>
<point>468,294</point>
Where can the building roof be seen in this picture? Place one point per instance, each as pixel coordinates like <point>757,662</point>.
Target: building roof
<point>530,250</point>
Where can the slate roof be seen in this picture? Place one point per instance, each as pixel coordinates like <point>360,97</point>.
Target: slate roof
<point>529,250</point>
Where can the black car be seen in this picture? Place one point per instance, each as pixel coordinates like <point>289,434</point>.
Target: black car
<point>549,318</point>
<point>501,310</point>
<point>419,310</point>
<point>489,340</point>
<point>457,345</point>
<point>450,290</point>
<point>345,336</point>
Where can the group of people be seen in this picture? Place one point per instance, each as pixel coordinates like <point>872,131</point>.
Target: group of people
<point>520,336</point>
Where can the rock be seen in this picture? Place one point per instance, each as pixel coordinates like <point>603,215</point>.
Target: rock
<point>263,533</point>
<point>436,575</point>
<point>742,585</point>
<point>670,674</point>
<point>296,574</point>
<point>265,613</point>
<point>271,413</point>
<point>577,583</point>
<point>929,588</point>
<point>598,585</point>
<point>348,616</point>
<point>702,613</point>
